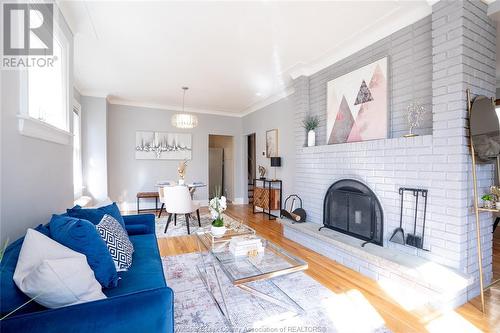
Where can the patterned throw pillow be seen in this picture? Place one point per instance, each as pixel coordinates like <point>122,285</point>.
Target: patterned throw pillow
<point>117,240</point>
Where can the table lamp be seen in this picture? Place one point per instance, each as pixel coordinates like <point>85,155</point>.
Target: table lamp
<point>275,162</point>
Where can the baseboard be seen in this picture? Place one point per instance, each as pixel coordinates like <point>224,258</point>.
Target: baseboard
<point>238,201</point>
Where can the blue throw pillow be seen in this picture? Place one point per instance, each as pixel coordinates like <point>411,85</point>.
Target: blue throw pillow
<point>82,236</point>
<point>95,215</point>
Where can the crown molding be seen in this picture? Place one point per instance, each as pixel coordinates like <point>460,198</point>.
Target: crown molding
<point>267,101</point>
<point>92,93</point>
<point>381,28</point>
<point>178,108</point>
<point>175,108</point>
<point>494,10</point>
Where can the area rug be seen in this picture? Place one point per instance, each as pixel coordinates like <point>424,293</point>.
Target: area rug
<point>325,311</point>
<point>180,229</point>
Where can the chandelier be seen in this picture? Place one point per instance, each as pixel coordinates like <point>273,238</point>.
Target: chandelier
<point>184,120</point>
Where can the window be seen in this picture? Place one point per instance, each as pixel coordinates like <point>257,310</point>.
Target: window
<point>47,93</point>
<point>45,107</point>
<point>77,150</point>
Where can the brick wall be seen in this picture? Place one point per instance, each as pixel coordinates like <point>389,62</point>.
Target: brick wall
<point>410,77</point>
<point>433,60</point>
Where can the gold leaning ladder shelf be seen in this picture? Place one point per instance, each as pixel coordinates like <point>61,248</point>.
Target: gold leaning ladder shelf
<point>478,209</point>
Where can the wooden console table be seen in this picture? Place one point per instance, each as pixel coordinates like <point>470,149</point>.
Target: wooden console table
<point>268,195</point>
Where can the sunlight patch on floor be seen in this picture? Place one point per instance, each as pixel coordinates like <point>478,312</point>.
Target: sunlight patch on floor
<point>442,277</point>
<point>451,322</point>
<point>351,312</point>
<point>409,298</point>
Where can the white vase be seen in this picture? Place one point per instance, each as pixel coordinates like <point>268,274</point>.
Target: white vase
<point>311,138</point>
<point>218,231</point>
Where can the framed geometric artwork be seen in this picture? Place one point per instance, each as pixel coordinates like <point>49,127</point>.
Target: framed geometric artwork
<point>151,145</point>
<point>272,143</point>
<point>357,105</point>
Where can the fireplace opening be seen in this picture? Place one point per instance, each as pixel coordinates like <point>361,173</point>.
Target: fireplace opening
<point>352,208</point>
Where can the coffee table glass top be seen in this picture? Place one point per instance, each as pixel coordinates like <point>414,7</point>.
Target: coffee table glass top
<point>274,261</point>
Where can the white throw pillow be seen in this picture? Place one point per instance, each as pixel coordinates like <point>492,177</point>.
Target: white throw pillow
<point>54,275</point>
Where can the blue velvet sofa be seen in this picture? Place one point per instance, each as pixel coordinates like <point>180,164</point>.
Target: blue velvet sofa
<point>142,302</point>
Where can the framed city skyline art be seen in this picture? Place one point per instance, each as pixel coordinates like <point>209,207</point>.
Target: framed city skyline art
<point>151,145</point>
<point>357,105</point>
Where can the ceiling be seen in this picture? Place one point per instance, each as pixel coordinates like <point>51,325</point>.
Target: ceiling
<point>234,56</point>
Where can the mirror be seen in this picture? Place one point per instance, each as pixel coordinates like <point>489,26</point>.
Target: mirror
<point>485,129</point>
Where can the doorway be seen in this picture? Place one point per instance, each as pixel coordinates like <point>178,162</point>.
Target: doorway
<point>251,165</point>
<point>221,166</point>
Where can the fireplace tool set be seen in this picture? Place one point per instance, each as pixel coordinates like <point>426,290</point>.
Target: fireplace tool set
<point>294,214</point>
<point>411,239</point>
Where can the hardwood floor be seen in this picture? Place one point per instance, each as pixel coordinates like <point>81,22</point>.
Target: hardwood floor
<point>342,280</point>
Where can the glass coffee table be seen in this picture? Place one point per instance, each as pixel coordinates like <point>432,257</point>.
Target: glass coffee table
<point>243,271</point>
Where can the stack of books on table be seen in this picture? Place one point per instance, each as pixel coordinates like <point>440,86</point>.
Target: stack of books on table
<point>242,246</point>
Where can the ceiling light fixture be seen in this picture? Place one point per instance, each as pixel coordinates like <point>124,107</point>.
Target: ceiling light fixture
<point>184,120</point>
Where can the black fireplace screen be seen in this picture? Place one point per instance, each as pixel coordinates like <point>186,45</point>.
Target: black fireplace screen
<point>352,208</point>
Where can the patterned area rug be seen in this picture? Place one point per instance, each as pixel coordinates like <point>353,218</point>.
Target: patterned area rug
<point>325,311</point>
<point>180,229</point>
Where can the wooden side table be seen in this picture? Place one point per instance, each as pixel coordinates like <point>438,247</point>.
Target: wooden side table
<point>147,195</point>
<point>268,195</point>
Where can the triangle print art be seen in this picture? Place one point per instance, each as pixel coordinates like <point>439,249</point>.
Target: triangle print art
<point>364,94</point>
<point>357,105</point>
<point>343,124</point>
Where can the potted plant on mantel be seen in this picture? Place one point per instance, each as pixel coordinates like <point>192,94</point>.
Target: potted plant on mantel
<point>487,200</point>
<point>310,123</point>
<point>217,206</point>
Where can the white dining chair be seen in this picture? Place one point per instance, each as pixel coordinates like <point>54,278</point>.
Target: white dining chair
<point>178,202</point>
<point>161,196</point>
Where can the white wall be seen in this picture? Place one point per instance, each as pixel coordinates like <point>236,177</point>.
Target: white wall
<point>36,175</point>
<point>127,176</point>
<point>278,115</point>
<point>94,147</point>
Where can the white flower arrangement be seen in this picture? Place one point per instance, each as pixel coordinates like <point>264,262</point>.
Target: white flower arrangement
<point>217,206</point>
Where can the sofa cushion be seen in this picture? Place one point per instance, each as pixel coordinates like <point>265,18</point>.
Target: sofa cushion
<point>136,229</point>
<point>146,272</point>
<point>95,215</point>
<point>11,297</point>
<point>140,224</point>
<point>82,236</point>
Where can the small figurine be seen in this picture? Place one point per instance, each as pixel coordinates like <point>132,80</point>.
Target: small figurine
<point>181,170</point>
<point>415,113</point>
<point>262,172</point>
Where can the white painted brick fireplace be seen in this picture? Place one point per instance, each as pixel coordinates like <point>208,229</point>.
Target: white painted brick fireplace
<point>434,61</point>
